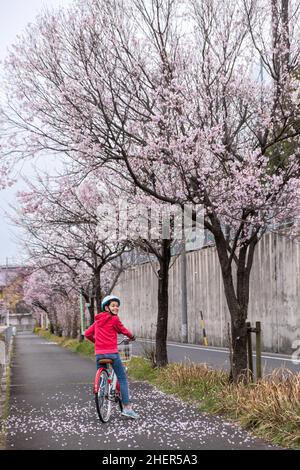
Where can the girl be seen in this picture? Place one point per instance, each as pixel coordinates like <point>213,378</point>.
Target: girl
<point>103,333</point>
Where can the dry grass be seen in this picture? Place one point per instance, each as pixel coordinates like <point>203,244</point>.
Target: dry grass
<point>194,383</point>
<point>187,375</point>
<point>271,406</point>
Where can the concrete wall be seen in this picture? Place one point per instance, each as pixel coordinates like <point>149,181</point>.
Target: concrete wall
<point>274,296</point>
<point>6,335</point>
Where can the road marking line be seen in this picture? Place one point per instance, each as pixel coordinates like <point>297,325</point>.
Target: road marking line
<point>199,348</point>
<point>48,344</point>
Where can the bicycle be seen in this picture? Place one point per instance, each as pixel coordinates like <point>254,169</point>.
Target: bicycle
<point>106,384</point>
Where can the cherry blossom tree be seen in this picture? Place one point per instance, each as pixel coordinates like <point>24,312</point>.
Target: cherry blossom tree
<point>61,223</point>
<point>75,125</point>
<point>210,133</point>
<point>49,290</point>
<point>168,95</point>
<point>150,228</point>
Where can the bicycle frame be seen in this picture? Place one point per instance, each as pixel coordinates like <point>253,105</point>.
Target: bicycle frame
<point>106,390</point>
<point>111,375</point>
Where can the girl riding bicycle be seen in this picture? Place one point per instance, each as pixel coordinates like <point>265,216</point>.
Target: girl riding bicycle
<point>103,332</point>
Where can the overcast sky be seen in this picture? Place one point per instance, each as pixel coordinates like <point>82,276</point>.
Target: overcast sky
<point>14,16</point>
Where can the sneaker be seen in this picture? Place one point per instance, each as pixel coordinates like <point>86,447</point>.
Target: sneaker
<point>130,414</point>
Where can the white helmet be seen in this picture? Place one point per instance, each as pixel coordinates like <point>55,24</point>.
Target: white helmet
<point>107,300</point>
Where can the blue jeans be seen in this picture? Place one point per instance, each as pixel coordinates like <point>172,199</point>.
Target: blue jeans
<point>120,373</point>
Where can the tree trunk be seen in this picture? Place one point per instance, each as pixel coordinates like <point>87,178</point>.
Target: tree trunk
<point>54,325</point>
<point>239,348</point>
<point>91,302</point>
<point>68,328</point>
<point>97,287</point>
<point>75,325</point>
<point>92,310</point>
<point>285,34</point>
<point>237,300</point>
<point>96,276</point>
<point>275,37</point>
<point>163,305</point>
<point>238,316</point>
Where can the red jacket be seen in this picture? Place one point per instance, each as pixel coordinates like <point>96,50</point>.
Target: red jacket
<point>103,332</point>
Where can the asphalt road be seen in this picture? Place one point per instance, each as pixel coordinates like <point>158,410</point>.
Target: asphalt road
<point>52,407</point>
<point>218,358</point>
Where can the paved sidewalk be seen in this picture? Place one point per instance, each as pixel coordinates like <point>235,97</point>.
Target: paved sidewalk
<point>52,407</point>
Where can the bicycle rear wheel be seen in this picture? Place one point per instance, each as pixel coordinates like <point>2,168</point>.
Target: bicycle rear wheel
<point>102,397</point>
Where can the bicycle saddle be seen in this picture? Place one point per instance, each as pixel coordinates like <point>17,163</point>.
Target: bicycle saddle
<point>105,361</point>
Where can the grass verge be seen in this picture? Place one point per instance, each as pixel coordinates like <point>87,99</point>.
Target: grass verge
<point>270,408</point>
<point>85,348</point>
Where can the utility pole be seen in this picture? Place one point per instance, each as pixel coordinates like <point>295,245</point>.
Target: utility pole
<point>184,322</point>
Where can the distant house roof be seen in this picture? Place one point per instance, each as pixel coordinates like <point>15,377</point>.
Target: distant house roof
<point>8,274</point>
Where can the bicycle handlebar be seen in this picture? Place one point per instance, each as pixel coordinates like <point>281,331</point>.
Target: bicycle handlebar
<point>125,340</point>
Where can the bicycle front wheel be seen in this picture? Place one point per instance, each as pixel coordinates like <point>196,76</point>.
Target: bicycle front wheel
<point>120,403</point>
<point>102,397</point>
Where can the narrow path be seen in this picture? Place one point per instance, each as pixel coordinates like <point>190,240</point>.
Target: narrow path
<point>52,407</point>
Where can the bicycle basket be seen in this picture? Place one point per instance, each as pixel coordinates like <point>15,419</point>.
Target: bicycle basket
<point>125,351</point>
